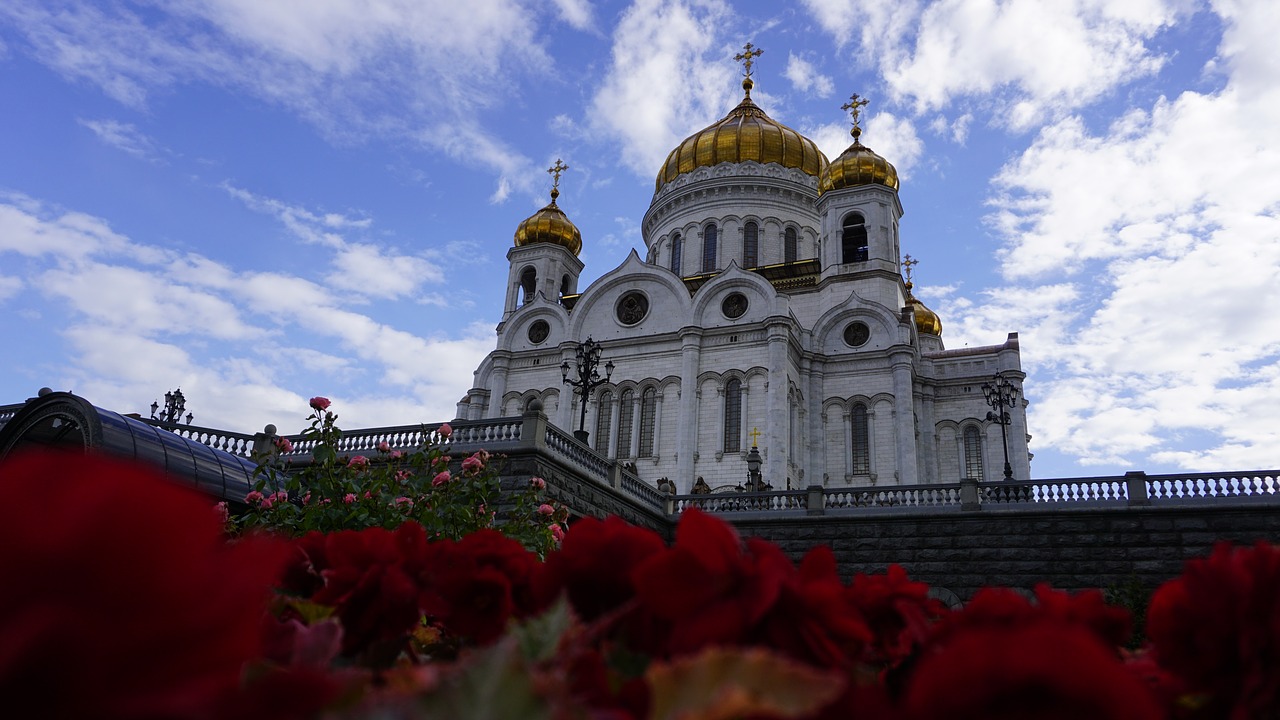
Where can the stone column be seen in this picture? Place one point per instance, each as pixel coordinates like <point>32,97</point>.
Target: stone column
<point>928,440</point>
<point>776,412</point>
<point>615,416</point>
<point>904,420</point>
<point>498,385</point>
<point>817,433</point>
<point>687,422</point>
<point>657,426</point>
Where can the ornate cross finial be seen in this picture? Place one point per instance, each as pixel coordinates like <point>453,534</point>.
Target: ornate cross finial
<point>909,262</point>
<point>555,171</point>
<point>854,107</point>
<point>748,55</point>
<point>755,435</point>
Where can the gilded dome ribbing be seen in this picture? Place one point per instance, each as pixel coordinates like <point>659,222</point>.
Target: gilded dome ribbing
<point>856,166</point>
<point>927,321</point>
<point>745,134</point>
<point>550,224</point>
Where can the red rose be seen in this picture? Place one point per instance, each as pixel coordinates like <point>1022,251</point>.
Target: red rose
<point>1040,669</point>
<point>813,620</point>
<point>899,612</point>
<point>595,562</point>
<point>320,404</point>
<point>474,586</point>
<point>1217,627</point>
<point>369,576</point>
<point>706,588</point>
<point>122,597</point>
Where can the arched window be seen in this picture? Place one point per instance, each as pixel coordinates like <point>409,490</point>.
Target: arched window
<point>733,416</point>
<point>853,239</point>
<point>789,245</point>
<point>528,284</point>
<point>973,453</point>
<point>677,253</point>
<point>604,418</point>
<point>625,406</point>
<point>750,245</point>
<point>648,417</point>
<point>709,248</point>
<point>860,440</point>
<point>564,286</point>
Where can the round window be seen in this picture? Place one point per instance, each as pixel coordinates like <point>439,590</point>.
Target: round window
<point>857,334</point>
<point>734,306</point>
<point>632,308</point>
<point>538,331</point>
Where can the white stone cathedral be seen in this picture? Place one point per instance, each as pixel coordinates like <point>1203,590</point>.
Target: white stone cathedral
<point>771,298</point>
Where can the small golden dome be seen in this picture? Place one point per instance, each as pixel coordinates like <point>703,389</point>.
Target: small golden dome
<point>745,134</point>
<point>856,166</point>
<point>550,224</point>
<point>927,321</point>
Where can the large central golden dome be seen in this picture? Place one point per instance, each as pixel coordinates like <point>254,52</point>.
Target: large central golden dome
<point>745,134</point>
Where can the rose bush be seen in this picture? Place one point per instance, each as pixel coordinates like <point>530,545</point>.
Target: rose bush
<point>124,597</point>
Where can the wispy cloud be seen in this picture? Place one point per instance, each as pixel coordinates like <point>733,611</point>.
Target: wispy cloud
<point>805,77</point>
<point>124,136</point>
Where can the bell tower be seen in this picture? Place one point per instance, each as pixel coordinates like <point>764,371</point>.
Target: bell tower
<point>544,260</point>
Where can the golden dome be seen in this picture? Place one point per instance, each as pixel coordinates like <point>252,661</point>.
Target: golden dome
<point>550,225</point>
<point>745,134</point>
<point>927,321</point>
<point>858,165</point>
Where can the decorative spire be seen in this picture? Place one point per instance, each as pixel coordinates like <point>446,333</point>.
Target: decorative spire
<point>555,171</point>
<point>909,262</point>
<point>854,107</point>
<point>750,52</point>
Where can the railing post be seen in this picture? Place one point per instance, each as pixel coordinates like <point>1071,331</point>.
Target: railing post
<point>615,475</point>
<point>816,501</point>
<point>534,432</point>
<point>969,495</point>
<point>264,449</point>
<point>1135,482</point>
<point>670,502</point>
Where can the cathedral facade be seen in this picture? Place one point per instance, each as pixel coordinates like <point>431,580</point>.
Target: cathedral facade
<point>770,309</point>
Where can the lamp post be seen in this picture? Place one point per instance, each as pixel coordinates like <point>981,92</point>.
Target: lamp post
<point>174,405</point>
<point>1001,396</point>
<point>585,367</point>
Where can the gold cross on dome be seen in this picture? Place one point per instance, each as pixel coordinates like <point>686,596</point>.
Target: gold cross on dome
<point>854,106</point>
<point>755,435</point>
<point>909,262</point>
<point>555,171</point>
<point>748,56</point>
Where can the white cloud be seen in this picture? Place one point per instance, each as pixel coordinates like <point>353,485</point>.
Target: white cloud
<point>123,136</point>
<point>353,68</point>
<point>668,74</point>
<point>804,76</point>
<point>890,136</point>
<point>1165,227</point>
<point>246,347</point>
<point>576,12</point>
<point>9,287</point>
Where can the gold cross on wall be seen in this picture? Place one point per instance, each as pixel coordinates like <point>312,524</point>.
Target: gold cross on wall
<point>748,56</point>
<point>854,106</point>
<point>755,435</point>
<point>909,262</point>
<point>555,171</point>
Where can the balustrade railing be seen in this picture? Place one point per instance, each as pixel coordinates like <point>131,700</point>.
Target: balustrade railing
<point>1075,490</point>
<point>232,442</point>
<point>901,496</point>
<point>562,444</point>
<point>730,502</point>
<point>642,491</point>
<point>8,411</point>
<point>1214,485</point>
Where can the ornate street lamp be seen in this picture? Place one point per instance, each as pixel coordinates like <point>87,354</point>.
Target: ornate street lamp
<point>174,405</point>
<point>1002,395</point>
<point>585,366</point>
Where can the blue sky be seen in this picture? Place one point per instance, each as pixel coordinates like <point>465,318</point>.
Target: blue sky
<point>263,201</point>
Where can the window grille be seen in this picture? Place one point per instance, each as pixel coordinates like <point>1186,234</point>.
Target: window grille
<point>853,239</point>
<point>750,245</point>
<point>709,248</point>
<point>973,453</point>
<point>789,245</point>
<point>648,417</point>
<point>677,250</point>
<point>625,423</point>
<point>860,441</point>
<point>733,416</point>
<point>604,418</point>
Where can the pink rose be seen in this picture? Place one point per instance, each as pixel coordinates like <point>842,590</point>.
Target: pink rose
<point>283,445</point>
<point>445,430</point>
<point>557,532</point>
<point>404,501</point>
<point>268,501</point>
<point>306,499</point>
<point>254,497</point>
<point>545,509</point>
<point>358,462</point>
<point>538,483</point>
<point>396,454</point>
<point>349,498</point>
<point>223,513</point>
<point>320,403</point>
<point>402,476</point>
<point>440,479</point>
<point>384,446</point>
<point>473,464</point>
